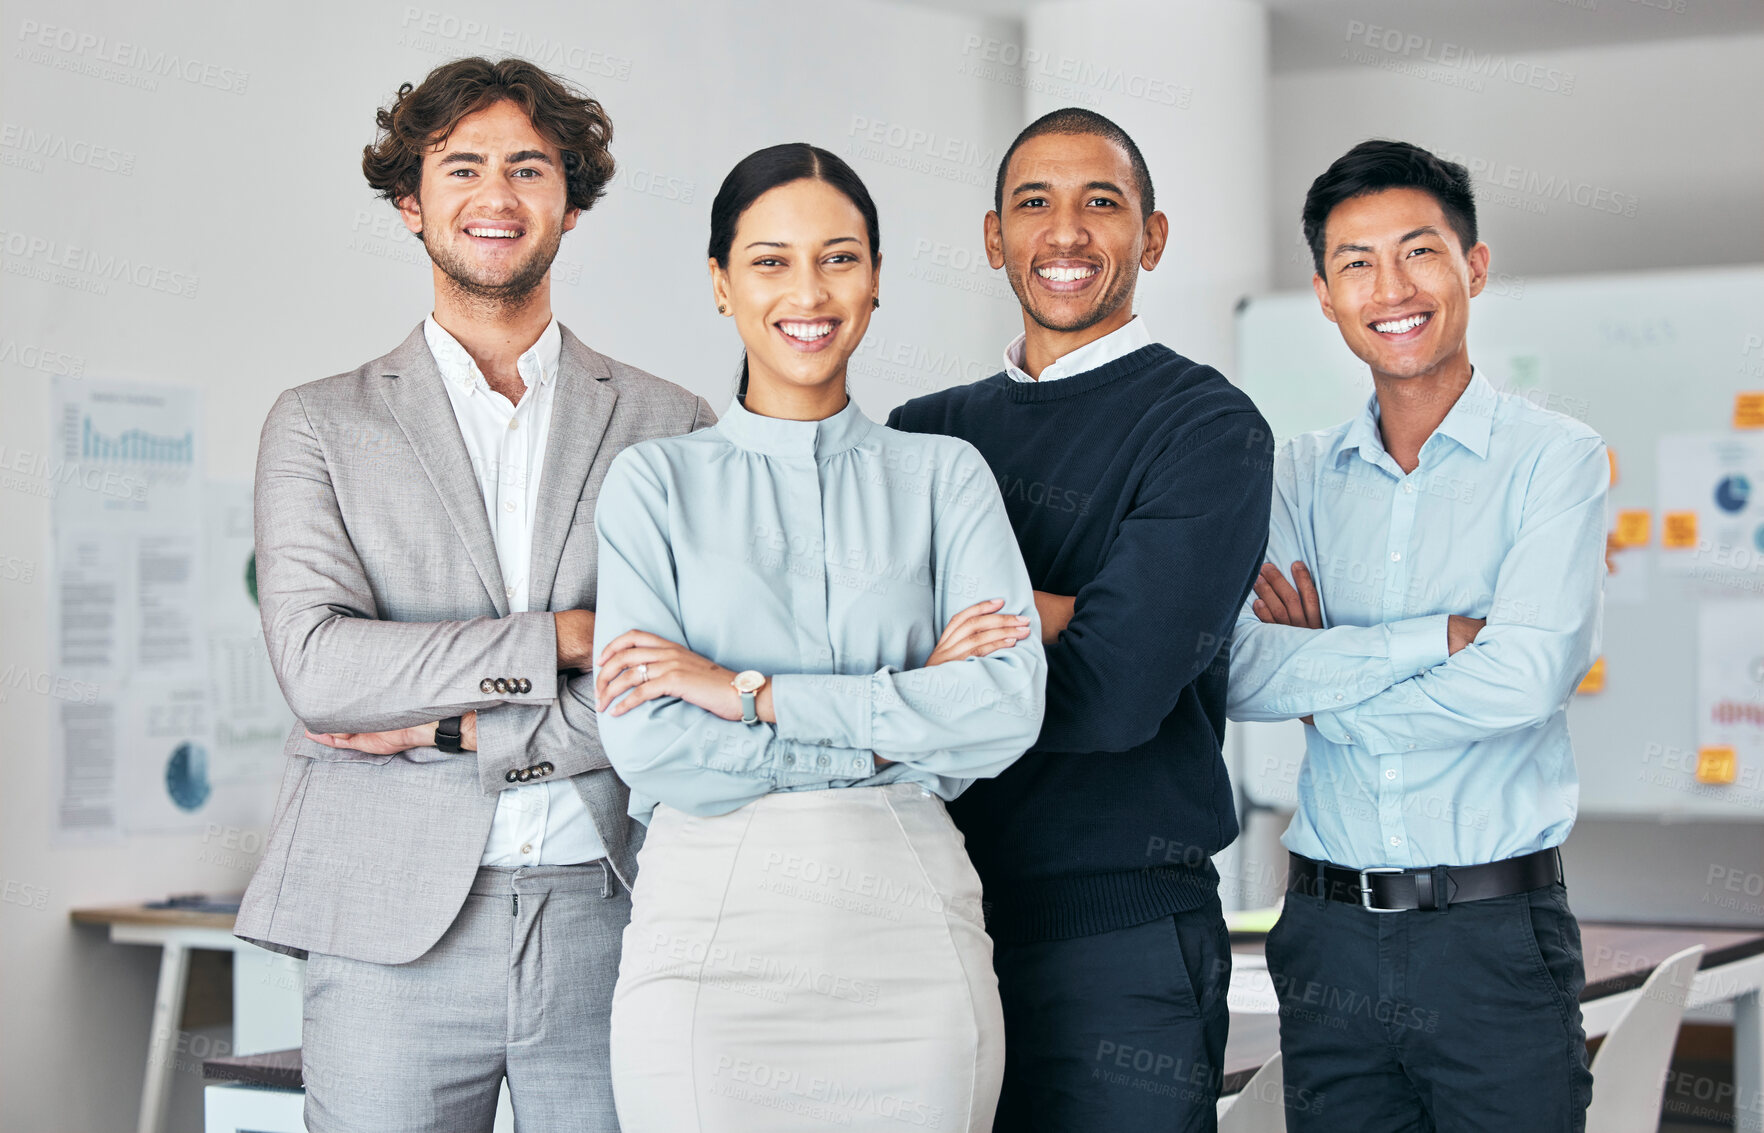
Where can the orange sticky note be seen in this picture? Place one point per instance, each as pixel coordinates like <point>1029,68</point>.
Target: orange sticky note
<point>1634,527</point>
<point>1678,529</point>
<point>1611,455</point>
<point>1594,681</point>
<point>1716,764</point>
<point>1748,409</point>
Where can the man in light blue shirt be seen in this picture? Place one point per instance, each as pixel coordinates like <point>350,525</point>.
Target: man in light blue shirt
<point>1446,551</point>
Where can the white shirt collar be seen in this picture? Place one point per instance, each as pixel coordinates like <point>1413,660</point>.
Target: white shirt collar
<point>538,366</point>
<point>1116,344</point>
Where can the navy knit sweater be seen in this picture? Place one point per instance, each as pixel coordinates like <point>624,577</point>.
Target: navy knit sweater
<point>1142,487</point>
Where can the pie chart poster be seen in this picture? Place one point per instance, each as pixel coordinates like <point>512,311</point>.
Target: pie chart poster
<point>1718,478</point>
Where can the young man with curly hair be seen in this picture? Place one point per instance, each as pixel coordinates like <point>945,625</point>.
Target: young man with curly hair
<point>450,847</point>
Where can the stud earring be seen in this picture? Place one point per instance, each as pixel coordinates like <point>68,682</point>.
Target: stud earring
<point>875,303</point>
<point>721,309</point>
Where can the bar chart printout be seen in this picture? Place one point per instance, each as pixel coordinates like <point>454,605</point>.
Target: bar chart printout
<point>126,493</point>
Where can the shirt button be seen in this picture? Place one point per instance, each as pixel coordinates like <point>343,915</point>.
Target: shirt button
<point>1390,774</point>
<point>1338,696</point>
<point>510,590</point>
<point>514,423</point>
<point>510,506</point>
<point>527,849</point>
<point>1408,487</point>
<point>1395,841</point>
<point>1394,555</point>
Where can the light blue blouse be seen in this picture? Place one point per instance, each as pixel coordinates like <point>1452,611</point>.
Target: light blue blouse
<point>828,555</point>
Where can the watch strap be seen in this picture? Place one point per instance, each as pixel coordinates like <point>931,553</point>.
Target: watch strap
<point>447,735</point>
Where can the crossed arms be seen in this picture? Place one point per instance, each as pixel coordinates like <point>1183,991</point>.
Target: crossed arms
<point>345,671</point>
<point>675,728</point>
<point>1438,680</point>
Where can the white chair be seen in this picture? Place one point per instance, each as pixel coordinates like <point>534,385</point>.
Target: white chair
<point>1260,1107</point>
<point>1629,1072</point>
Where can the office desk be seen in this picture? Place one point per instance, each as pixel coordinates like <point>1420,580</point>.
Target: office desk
<point>1619,958</point>
<point>266,989</point>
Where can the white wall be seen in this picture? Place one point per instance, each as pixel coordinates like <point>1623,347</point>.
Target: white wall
<point>1189,85</point>
<point>1658,144</point>
<point>301,274</point>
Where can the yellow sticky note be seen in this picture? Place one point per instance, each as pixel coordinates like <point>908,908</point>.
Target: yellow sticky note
<point>1748,409</point>
<point>1634,527</point>
<point>1716,764</point>
<point>1594,681</point>
<point>1678,529</point>
<point>1611,455</point>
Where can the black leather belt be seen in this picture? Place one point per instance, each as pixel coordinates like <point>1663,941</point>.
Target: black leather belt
<point>1388,889</point>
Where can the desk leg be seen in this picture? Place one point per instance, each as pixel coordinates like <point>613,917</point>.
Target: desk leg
<point>162,1044</point>
<point>1748,1063</point>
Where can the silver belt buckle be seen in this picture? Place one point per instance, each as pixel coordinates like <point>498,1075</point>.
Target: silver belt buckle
<point>1366,888</point>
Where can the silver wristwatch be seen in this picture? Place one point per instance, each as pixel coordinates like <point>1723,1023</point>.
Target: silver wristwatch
<point>748,682</point>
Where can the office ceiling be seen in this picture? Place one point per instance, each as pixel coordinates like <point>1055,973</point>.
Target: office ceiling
<point>1310,34</point>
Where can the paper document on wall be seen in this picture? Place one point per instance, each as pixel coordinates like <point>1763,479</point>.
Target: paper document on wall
<point>1730,699</point>
<point>1710,489</point>
<point>251,720</point>
<point>130,657</point>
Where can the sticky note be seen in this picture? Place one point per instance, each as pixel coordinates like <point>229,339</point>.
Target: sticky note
<point>1748,409</point>
<point>1716,764</point>
<point>1634,527</point>
<point>1594,681</point>
<point>1611,455</point>
<point>1678,529</point>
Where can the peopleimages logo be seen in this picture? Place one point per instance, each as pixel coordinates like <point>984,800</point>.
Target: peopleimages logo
<point>33,145</point>
<point>52,261</point>
<point>1410,48</point>
<point>89,53</point>
<point>427,29</point>
<point>1532,190</point>
<point>1000,60</point>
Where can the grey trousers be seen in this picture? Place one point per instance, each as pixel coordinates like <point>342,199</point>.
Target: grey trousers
<point>520,986</point>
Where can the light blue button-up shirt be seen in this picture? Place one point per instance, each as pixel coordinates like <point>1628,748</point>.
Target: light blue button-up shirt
<point>1417,758</point>
<point>828,555</point>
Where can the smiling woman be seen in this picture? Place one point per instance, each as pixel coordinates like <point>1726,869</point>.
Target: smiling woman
<point>806,944</point>
<point>801,310</point>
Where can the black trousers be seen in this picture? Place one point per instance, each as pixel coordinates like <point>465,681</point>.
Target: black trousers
<point>1120,1032</point>
<point>1467,1018</point>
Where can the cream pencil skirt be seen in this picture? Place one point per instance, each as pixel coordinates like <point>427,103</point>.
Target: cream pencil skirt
<point>813,960</point>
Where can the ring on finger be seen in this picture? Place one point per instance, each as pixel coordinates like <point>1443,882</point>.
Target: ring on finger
<point>642,674</point>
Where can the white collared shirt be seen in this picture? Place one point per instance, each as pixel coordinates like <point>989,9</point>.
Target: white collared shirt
<point>1115,344</point>
<point>536,823</point>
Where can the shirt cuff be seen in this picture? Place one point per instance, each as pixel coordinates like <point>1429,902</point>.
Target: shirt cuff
<point>1417,645</point>
<point>823,709</point>
<point>1336,727</point>
<point>799,764</point>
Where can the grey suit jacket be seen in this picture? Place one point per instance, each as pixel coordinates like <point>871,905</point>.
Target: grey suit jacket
<point>383,606</point>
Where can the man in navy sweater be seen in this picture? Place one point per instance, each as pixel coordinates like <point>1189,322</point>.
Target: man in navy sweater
<point>1138,483</point>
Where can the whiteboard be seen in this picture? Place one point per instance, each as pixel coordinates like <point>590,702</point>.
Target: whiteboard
<point>1638,357</point>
